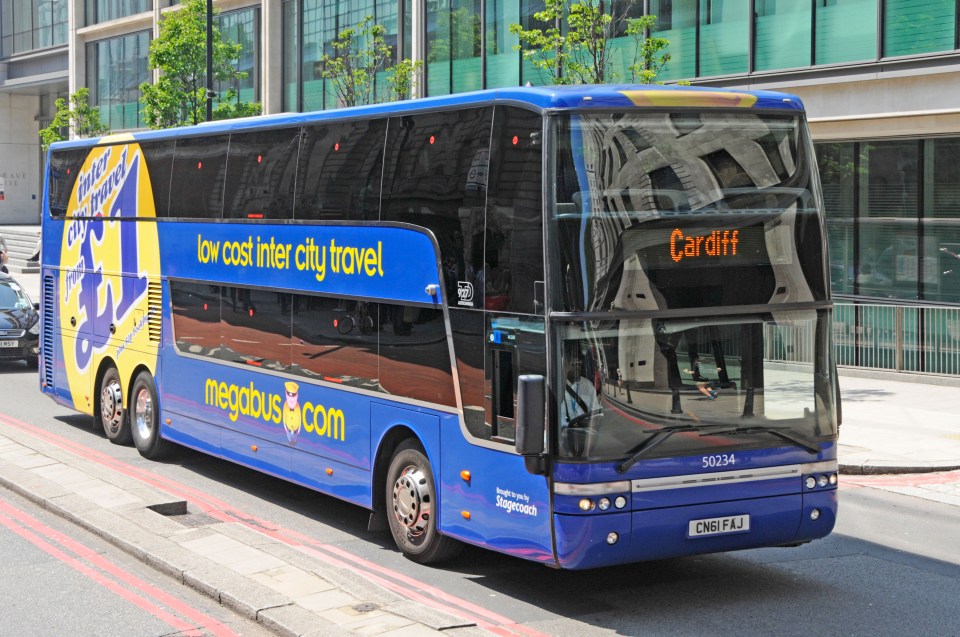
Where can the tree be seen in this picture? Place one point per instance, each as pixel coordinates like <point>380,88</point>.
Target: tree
<point>359,54</point>
<point>75,115</point>
<point>578,52</point>
<point>179,96</point>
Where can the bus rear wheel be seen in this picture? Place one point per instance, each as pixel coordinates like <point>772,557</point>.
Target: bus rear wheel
<point>412,505</point>
<point>109,409</point>
<point>145,417</point>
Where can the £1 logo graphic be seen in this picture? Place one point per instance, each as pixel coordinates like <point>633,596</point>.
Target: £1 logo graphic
<point>117,299</point>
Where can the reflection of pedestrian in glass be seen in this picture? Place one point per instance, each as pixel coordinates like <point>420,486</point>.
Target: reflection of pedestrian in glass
<point>707,390</point>
<point>580,394</point>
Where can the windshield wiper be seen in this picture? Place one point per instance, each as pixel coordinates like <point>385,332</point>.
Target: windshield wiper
<point>655,440</point>
<point>807,445</point>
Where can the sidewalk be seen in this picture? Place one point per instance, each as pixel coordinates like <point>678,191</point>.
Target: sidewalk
<point>895,426</point>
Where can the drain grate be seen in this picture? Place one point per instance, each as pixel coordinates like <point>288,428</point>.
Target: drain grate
<point>194,519</point>
<point>180,513</point>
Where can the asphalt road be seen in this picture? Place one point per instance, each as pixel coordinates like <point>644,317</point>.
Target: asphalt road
<point>892,567</point>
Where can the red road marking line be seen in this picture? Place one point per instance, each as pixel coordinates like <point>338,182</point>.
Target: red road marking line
<point>203,620</point>
<point>227,513</point>
<point>89,572</point>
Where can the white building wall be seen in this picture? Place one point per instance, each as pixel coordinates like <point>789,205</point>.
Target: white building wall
<point>19,158</point>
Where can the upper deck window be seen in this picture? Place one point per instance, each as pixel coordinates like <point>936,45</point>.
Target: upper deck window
<point>665,211</point>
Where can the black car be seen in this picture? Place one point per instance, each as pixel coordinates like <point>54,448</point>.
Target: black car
<point>19,323</point>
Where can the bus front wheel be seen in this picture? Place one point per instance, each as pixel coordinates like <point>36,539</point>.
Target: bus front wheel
<point>412,506</point>
<point>145,417</point>
<point>109,411</point>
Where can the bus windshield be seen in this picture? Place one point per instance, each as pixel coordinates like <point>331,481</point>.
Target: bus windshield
<point>684,243</point>
<point>656,211</point>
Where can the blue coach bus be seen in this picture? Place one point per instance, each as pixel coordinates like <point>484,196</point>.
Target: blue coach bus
<point>583,326</point>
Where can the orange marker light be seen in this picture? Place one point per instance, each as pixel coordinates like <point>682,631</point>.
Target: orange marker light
<point>465,514</point>
<point>329,471</point>
<point>253,448</point>
<point>465,474</point>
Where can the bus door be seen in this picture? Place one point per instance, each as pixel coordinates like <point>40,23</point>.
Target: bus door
<point>491,499</point>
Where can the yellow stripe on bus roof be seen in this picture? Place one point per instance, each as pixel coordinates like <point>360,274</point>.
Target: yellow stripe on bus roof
<point>690,98</point>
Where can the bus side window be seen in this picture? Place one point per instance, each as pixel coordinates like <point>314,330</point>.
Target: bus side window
<point>64,167</point>
<point>513,261</point>
<point>340,171</point>
<point>414,358</point>
<point>196,186</point>
<point>255,327</point>
<point>435,175</point>
<point>158,157</point>
<point>335,340</point>
<point>261,171</point>
<point>196,317</point>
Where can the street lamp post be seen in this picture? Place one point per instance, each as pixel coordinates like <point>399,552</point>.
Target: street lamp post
<point>209,60</point>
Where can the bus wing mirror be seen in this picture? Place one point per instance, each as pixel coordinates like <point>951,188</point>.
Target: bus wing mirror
<point>530,414</point>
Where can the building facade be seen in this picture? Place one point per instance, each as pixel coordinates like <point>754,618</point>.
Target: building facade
<point>880,80</point>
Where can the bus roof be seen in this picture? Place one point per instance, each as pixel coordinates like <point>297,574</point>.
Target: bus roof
<point>542,98</point>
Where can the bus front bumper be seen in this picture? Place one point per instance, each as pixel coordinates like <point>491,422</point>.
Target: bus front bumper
<point>590,541</point>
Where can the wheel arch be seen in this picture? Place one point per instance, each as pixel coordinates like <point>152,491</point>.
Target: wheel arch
<point>389,443</point>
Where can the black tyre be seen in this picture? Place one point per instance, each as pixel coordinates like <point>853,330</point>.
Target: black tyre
<point>145,417</point>
<point>109,412</point>
<point>411,506</point>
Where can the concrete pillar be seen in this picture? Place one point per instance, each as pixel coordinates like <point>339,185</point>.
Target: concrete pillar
<point>271,56</point>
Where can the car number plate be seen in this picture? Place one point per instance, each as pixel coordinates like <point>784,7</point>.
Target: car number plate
<point>9,344</point>
<point>719,526</point>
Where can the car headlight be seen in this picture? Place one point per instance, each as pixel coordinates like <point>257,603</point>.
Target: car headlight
<point>35,328</point>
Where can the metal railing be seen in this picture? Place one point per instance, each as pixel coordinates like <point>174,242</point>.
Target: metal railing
<point>903,338</point>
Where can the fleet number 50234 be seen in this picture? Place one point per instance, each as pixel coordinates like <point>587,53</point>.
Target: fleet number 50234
<point>719,460</point>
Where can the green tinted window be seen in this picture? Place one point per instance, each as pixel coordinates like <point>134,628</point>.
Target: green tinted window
<point>724,36</point>
<point>846,31</point>
<point>677,22</point>
<point>918,26</point>
<point>782,35</point>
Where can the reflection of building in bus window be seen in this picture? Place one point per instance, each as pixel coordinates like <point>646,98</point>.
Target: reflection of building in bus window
<point>580,394</point>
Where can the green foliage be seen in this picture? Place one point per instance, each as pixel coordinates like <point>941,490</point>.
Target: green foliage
<point>178,98</point>
<point>649,56</point>
<point>574,46</point>
<point>78,116</point>
<point>400,78</point>
<point>359,53</point>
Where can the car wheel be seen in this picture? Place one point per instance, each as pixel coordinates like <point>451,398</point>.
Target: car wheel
<point>109,412</point>
<point>411,506</point>
<point>145,417</point>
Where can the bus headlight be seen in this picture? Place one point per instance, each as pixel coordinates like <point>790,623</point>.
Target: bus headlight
<point>604,504</point>
<point>811,482</point>
<point>822,481</point>
<point>620,502</point>
<point>613,538</point>
<point>586,504</point>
